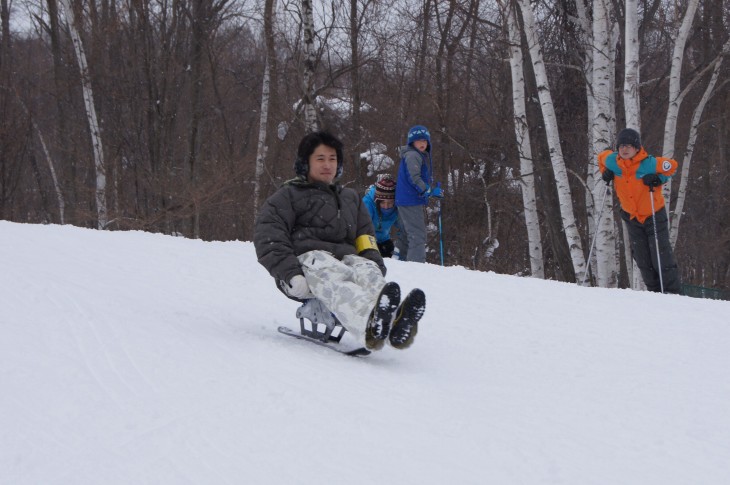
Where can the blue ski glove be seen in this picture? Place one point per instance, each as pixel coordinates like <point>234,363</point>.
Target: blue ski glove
<point>651,180</point>
<point>437,192</point>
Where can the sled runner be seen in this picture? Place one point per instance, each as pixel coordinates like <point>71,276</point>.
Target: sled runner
<point>319,326</point>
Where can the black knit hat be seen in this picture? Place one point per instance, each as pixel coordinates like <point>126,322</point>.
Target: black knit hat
<point>310,143</point>
<point>627,136</point>
<point>385,187</point>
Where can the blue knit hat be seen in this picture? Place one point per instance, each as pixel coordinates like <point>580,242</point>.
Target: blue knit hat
<point>419,132</point>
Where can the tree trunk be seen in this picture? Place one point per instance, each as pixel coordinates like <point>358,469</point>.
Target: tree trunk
<point>200,21</point>
<point>88,93</point>
<point>632,106</point>
<point>261,149</point>
<point>49,161</point>
<point>675,83</point>
<point>522,133</point>
<point>355,89</point>
<point>451,35</point>
<point>631,69</point>
<point>603,125</point>
<point>471,55</point>
<point>684,181</point>
<point>310,61</point>
<point>553,138</point>
<point>5,35</point>
<point>59,79</point>
<point>5,72</point>
<point>422,54</point>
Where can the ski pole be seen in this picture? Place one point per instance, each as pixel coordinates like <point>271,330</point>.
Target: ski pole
<point>656,240</point>
<point>595,233</point>
<point>441,236</point>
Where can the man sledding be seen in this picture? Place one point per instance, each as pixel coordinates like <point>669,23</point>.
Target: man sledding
<point>316,239</point>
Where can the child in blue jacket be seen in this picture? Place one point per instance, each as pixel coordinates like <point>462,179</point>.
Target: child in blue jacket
<point>415,186</point>
<point>380,202</point>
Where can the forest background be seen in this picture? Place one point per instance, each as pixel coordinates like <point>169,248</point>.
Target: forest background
<point>182,116</point>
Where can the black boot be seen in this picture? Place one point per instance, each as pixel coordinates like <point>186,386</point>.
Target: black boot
<point>382,315</point>
<point>405,325</point>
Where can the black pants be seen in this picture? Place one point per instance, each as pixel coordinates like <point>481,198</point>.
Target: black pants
<point>643,249</point>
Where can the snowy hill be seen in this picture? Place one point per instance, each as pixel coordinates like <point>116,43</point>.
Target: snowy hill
<point>134,358</point>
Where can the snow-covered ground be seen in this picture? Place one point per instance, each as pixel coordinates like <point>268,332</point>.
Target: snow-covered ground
<point>135,358</point>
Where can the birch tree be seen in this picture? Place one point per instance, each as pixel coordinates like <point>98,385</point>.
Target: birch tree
<point>53,31</point>
<point>603,125</point>
<point>632,105</point>
<point>553,138</point>
<point>632,109</point>
<point>261,149</point>
<point>88,94</point>
<point>310,62</point>
<point>687,160</point>
<point>522,133</point>
<point>675,96</point>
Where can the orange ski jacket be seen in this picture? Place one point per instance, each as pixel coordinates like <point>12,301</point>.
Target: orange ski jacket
<point>630,189</point>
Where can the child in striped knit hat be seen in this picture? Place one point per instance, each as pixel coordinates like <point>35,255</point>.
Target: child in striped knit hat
<point>380,202</point>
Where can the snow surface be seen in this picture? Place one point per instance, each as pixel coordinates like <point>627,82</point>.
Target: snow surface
<point>136,358</point>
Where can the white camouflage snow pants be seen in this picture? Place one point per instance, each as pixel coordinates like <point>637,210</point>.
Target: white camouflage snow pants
<point>348,288</point>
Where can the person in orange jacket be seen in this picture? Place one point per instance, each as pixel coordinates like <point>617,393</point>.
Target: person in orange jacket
<point>637,178</point>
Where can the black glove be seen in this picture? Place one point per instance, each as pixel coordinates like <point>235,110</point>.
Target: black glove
<point>651,180</point>
<point>386,248</point>
<point>608,176</point>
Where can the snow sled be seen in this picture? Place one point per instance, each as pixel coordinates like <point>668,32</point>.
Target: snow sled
<point>319,326</point>
<point>317,322</point>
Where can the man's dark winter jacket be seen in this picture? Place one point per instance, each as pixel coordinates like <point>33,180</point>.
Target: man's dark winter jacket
<point>303,216</point>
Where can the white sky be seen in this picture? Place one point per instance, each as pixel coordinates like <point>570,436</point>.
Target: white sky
<point>21,12</point>
<point>128,357</point>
